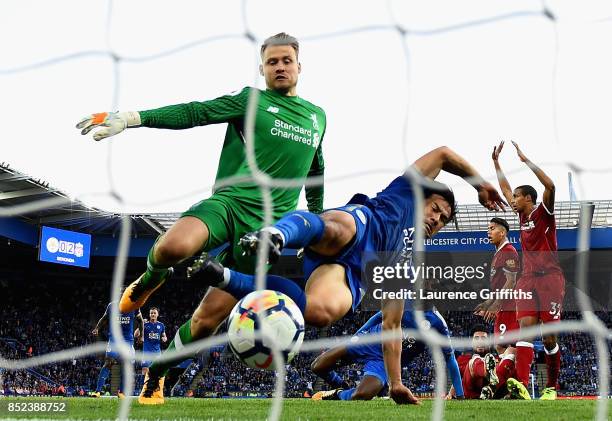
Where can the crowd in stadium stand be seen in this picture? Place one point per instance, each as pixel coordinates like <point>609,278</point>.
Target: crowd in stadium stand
<point>41,318</point>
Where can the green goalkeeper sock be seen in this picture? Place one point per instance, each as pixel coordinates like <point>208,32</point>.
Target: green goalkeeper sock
<point>182,338</point>
<point>155,272</point>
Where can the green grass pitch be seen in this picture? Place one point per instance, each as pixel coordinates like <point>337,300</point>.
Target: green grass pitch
<point>304,409</point>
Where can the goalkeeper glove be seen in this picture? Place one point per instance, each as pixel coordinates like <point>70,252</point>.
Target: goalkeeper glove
<point>113,123</point>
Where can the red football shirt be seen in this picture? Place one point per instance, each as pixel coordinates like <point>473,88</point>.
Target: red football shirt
<point>539,241</point>
<point>462,362</point>
<point>506,259</point>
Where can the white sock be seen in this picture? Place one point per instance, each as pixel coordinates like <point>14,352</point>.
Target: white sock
<point>553,351</point>
<point>274,230</point>
<point>226,278</point>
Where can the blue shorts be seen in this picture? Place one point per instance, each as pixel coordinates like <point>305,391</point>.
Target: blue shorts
<point>369,355</point>
<point>112,352</point>
<point>376,368</point>
<point>351,257</point>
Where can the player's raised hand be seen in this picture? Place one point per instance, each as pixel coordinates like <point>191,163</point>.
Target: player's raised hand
<point>489,197</point>
<point>111,123</point>
<point>497,150</point>
<point>520,153</point>
<point>95,332</point>
<point>481,308</point>
<point>402,395</point>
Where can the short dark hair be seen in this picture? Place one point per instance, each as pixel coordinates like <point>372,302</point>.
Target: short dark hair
<point>281,38</point>
<point>441,189</point>
<point>154,308</point>
<point>479,328</point>
<point>502,222</point>
<point>527,190</point>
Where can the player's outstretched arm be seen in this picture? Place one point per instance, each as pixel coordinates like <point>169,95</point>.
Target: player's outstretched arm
<point>504,185</point>
<point>548,198</point>
<point>444,158</point>
<point>111,123</point>
<point>174,117</point>
<point>392,311</point>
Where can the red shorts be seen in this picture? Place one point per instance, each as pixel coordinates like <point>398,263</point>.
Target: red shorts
<point>547,293</point>
<point>505,321</point>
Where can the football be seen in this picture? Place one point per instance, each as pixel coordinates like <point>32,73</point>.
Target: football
<point>277,316</point>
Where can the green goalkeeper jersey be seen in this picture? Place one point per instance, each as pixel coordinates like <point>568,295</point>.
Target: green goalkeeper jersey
<point>288,135</point>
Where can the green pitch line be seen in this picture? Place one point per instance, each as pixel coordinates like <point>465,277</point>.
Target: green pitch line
<point>304,409</point>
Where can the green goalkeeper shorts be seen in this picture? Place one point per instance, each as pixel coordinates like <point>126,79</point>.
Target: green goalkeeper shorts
<point>227,220</point>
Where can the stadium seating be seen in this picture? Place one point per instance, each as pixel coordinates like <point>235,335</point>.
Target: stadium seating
<point>40,319</point>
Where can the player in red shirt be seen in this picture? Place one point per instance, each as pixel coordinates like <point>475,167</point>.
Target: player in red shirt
<point>504,268</point>
<point>542,275</point>
<point>481,374</point>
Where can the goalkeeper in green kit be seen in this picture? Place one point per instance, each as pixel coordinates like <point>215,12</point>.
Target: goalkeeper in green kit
<point>287,144</point>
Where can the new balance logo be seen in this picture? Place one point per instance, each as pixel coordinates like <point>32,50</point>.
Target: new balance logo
<point>306,223</point>
<point>315,122</point>
<point>273,109</point>
<point>528,226</point>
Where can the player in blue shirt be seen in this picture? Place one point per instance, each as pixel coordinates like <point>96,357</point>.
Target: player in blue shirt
<point>154,335</point>
<point>374,380</point>
<point>336,240</point>
<point>126,320</point>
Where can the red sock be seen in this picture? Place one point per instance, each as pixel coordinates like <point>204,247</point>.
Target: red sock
<point>553,365</point>
<point>504,370</point>
<point>478,368</point>
<point>524,358</point>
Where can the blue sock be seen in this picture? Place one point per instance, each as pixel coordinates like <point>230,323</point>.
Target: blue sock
<point>241,284</point>
<point>333,379</point>
<point>102,378</point>
<point>289,288</point>
<point>300,229</point>
<point>455,374</point>
<point>347,394</point>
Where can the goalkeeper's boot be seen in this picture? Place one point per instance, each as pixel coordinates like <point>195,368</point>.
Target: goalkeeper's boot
<point>95,394</point>
<point>139,291</point>
<point>120,395</point>
<point>152,391</point>
<point>549,394</point>
<point>251,242</point>
<point>327,395</point>
<point>490,366</point>
<point>517,390</point>
<point>206,271</point>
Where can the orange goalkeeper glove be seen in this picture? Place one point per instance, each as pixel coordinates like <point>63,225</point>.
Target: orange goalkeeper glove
<point>112,123</point>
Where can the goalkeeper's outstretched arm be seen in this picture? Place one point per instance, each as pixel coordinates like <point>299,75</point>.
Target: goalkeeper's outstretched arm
<point>176,117</point>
